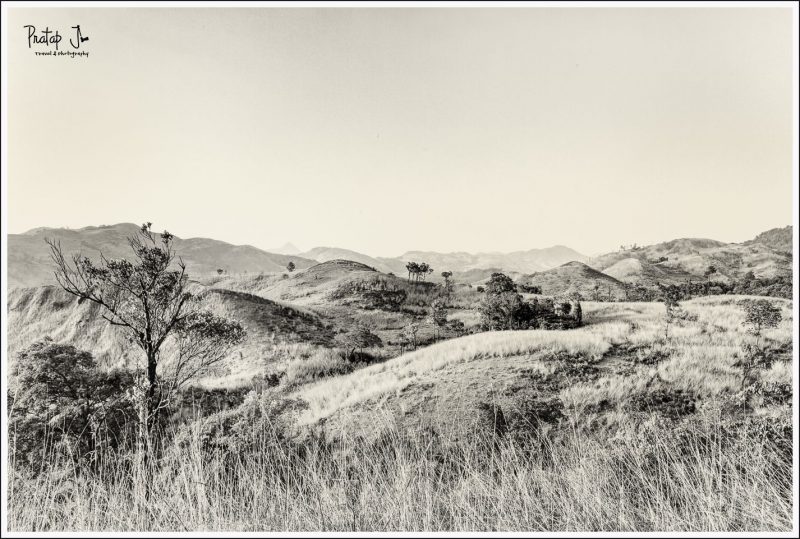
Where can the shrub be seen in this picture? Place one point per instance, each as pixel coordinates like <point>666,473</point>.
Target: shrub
<point>322,364</point>
<point>373,293</point>
<point>358,338</point>
<point>533,414</point>
<point>669,403</point>
<point>651,355</point>
<point>776,393</point>
<point>58,395</point>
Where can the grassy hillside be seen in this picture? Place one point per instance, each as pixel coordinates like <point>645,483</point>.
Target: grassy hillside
<point>575,277</point>
<point>48,311</point>
<point>594,371</point>
<point>274,330</point>
<point>692,257</point>
<point>638,271</point>
<point>779,239</point>
<point>287,319</point>
<point>618,425</point>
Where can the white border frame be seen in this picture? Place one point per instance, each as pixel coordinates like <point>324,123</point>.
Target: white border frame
<point>388,4</point>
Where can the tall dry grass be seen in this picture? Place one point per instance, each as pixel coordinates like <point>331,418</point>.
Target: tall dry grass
<point>708,473</point>
<point>639,482</point>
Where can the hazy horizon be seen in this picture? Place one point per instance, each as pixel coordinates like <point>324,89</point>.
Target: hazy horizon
<point>303,248</point>
<point>389,130</point>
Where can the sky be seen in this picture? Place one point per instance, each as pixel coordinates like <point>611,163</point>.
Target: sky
<point>388,130</point>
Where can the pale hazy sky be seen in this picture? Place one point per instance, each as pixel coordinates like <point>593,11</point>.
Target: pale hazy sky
<point>386,130</point>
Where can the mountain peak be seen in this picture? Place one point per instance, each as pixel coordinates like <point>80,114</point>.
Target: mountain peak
<point>287,248</point>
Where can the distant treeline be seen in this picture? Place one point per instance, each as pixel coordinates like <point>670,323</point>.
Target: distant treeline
<point>778,287</point>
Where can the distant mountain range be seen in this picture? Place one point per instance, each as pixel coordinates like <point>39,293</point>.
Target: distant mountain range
<point>29,261</point>
<point>458,263</point>
<point>767,255</point>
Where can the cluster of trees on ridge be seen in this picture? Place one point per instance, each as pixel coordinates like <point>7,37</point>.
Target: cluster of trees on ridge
<point>418,271</point>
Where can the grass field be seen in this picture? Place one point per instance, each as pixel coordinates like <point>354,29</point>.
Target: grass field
<point>376,448</point>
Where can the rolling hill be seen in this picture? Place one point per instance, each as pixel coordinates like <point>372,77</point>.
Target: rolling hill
<point>48,311</point>
<point>310,286</point>
<point>779,239</point>
<point>326,254</point>
<point>591,371</point>
<point>460,263</point>
<point>29,261</point>
<point>517,261</point>
<point>575,277</point>
<point>684,258</point>
<point>638,271</point>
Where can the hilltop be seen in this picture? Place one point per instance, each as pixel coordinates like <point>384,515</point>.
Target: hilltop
<point>575,277</point>
<point>326,254</point>
<point>779,239</point>
<point>287,248</point>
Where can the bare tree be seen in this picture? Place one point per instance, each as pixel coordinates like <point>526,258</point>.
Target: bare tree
<point>149,300</point>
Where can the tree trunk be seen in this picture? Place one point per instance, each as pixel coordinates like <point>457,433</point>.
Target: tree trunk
<point>152,382</point>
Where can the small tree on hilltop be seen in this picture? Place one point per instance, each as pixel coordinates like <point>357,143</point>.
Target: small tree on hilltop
<point>438,316</point>
<point>424,270</point>
<point>358,338</point>
<point>499,283</point>
<point>148,299</point>
<point>759,315</point>
<point>413,269</point>
<point>448,284</point>
<point>671,295</point>
<point>576,309</point>
<point>409,334</point>
<point>290,266</point>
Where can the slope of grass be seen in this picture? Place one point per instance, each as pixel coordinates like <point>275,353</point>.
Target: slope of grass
<point>699,356</point>
<point>384,461</point>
